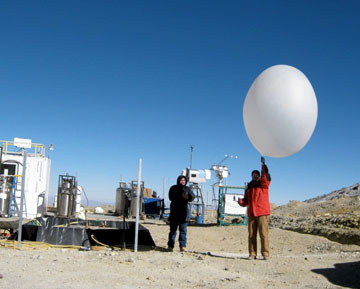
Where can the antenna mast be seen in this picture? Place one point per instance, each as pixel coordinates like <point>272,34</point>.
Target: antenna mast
<point>191,149</point>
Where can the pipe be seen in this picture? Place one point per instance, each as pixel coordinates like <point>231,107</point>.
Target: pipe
<point>137,206</point>
<point>22,199</point>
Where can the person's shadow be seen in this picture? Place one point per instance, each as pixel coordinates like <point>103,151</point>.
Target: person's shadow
<point>344,274</point>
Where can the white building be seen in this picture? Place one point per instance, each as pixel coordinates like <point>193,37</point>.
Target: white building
<point>37,178</point>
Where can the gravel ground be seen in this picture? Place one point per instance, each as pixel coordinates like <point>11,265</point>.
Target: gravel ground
<point>215,259</point>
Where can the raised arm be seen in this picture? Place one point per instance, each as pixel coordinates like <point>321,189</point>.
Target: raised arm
<point>265,177</point>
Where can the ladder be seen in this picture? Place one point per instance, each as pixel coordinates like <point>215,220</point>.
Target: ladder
<point>15,198</point>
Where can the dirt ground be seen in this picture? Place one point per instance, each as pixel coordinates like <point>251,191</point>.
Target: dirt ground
<point>215,259</point>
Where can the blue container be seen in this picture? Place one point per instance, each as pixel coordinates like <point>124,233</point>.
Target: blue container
<point>199,219</point>
<point>200,211</point>
<point>153,206</point>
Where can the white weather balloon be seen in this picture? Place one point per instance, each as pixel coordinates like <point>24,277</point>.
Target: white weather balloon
<point>280,111</point>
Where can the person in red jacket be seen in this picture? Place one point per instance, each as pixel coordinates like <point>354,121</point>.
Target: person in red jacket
<point>257,199</point>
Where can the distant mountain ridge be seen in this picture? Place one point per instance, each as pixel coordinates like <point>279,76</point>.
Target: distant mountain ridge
<point>350,191</point>
<point>92,203</point>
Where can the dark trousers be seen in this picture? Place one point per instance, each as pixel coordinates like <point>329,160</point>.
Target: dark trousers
<point>172,235</point>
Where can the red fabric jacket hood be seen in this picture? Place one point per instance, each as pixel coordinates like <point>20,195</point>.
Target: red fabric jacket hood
<point>257,198</point>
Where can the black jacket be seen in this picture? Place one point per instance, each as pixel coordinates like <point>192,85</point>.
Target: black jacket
<point>179,196</point>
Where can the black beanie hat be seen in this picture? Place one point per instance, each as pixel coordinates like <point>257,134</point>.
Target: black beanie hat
<point>255,172</point>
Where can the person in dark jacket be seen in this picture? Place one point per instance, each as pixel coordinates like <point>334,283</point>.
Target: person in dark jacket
<point>257,199</point>
<point>179,195</point>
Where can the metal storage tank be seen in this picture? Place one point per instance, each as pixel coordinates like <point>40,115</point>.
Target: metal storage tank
<point>66,197</point>
<point>121,199</point>
<point>5,190</point>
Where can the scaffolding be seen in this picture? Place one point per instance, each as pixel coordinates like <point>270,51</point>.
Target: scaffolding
<point>197,205</point>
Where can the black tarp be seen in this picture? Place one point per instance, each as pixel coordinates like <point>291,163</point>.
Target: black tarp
<point>60,231</point>
<point>154,207</point>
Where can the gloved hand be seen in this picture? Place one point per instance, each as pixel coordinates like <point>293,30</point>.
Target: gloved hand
<point>263,160</point>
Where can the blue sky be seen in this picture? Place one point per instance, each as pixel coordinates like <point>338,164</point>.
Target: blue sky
<point>109,82</point>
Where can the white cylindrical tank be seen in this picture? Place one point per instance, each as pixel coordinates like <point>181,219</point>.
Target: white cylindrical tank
<point>55,200</point>
<point>79,192</point>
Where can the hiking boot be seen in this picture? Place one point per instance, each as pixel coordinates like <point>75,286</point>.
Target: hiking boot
<point>183,249</point>
<point>170,249</point>
<point>251,258</point>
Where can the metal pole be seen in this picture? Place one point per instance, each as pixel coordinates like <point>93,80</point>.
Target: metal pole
<point>22,199</point>
<point>226,156</point>
<point>207,199</point>
<point>1,151</point>
<point>191,148</point>
<point>137,207</point>
<point>163,187</point>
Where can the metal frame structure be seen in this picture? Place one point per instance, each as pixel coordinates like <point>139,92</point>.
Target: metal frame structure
<point>223,190</point>
<point>66,196</point>
<point>196,205</point>
<point>13,181</point>
<point>1,150</point>
<point>9,147</point>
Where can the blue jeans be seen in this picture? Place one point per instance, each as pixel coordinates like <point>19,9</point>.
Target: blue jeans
<point>172,234</point>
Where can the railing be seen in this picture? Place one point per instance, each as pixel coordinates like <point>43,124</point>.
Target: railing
<point>9,148</point>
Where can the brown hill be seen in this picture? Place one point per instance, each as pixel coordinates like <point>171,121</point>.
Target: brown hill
<point>335,215</point>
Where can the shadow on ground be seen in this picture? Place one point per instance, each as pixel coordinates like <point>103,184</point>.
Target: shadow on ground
<point>344,274</point>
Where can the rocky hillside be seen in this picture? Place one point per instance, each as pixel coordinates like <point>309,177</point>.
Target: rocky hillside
<point>351,191</point>
<point>335,215</point>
